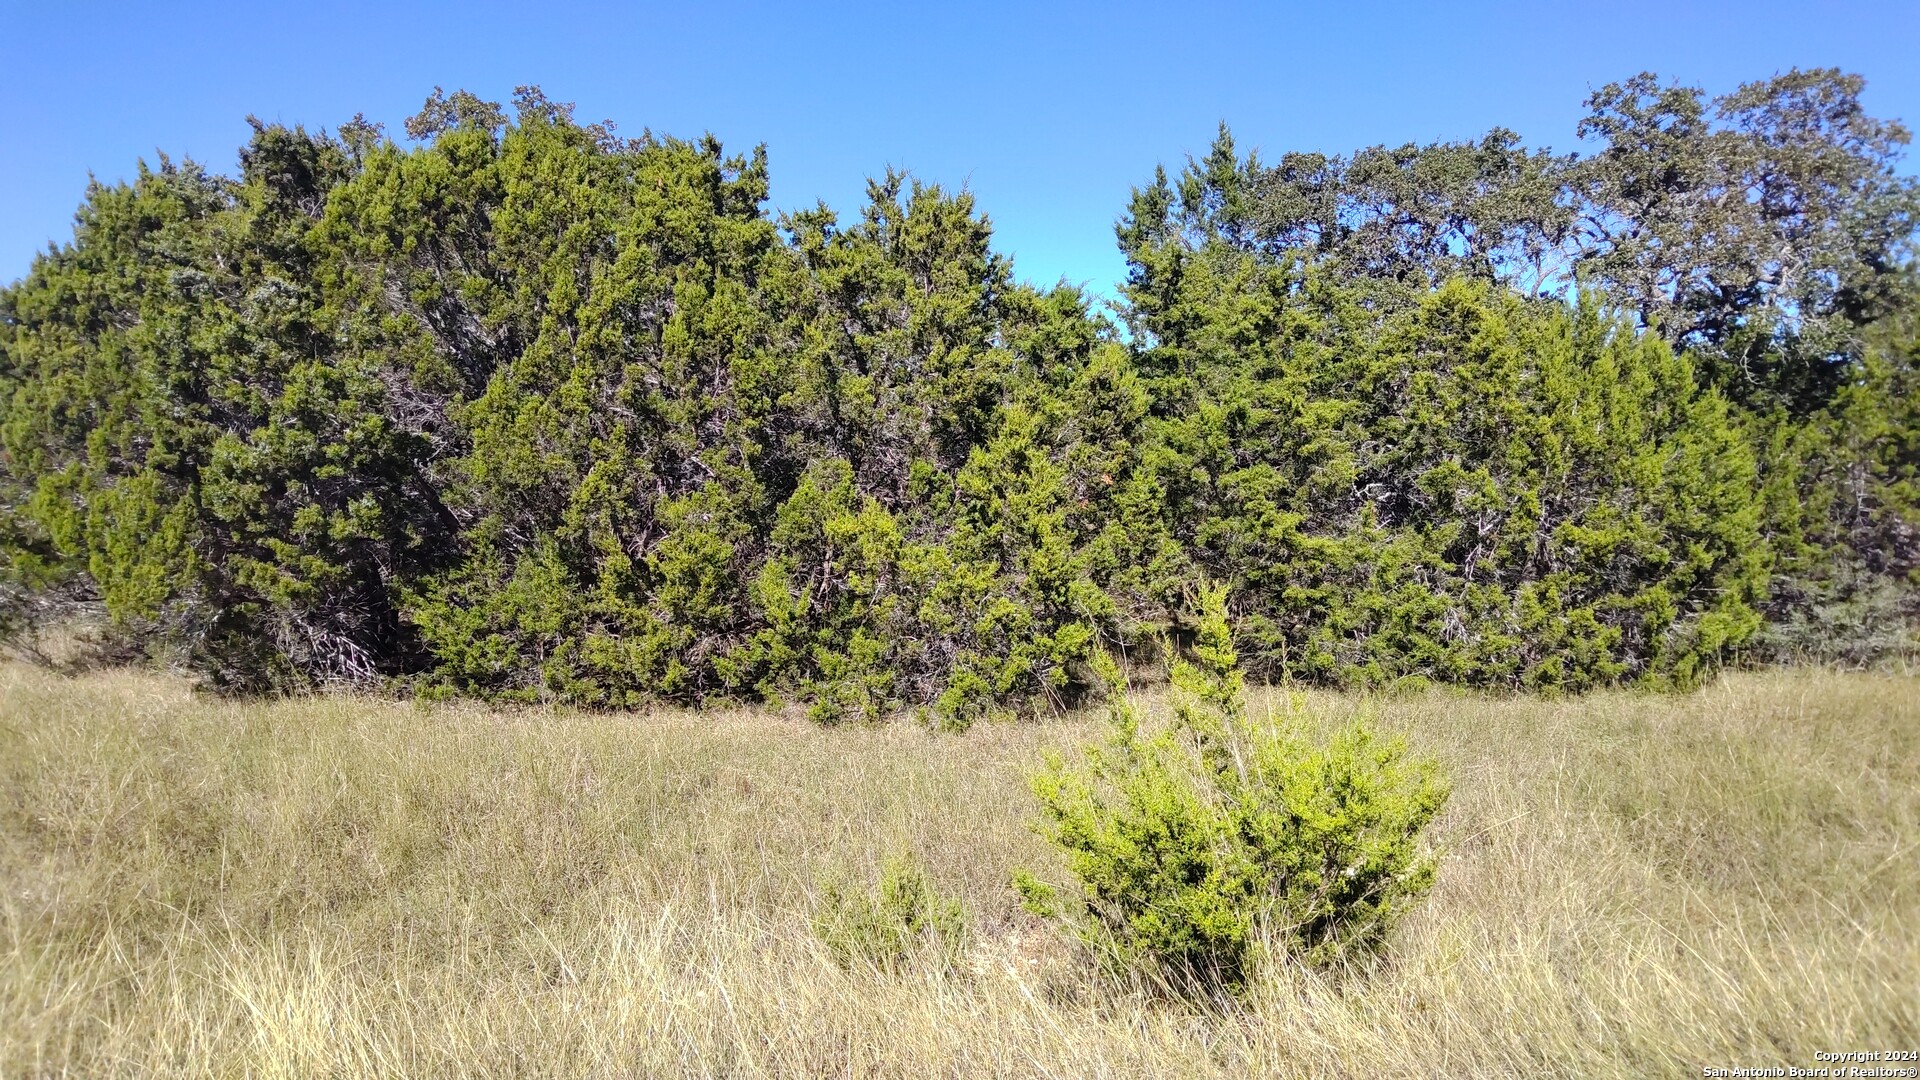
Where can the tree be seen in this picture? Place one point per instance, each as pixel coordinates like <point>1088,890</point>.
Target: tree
<point>526,410</point>
<point>1764,229</point>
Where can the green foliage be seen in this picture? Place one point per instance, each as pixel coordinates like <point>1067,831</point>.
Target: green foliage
<point>524,410</point>
<point>183,434</point>
<point>1762,228</point>
<point>1191,843</point>
<point>1844,502</point>
<point>901,920</point>
<point>1474,488</point>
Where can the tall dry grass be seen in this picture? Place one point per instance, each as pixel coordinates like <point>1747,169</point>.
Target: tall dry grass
<point>1631,886</point>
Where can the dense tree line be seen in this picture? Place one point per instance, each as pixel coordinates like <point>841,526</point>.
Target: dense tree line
<point>521,408</point>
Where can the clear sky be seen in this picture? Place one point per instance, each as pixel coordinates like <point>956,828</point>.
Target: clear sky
<point>1048,112</point>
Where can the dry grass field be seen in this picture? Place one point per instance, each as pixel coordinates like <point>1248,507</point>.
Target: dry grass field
<point>1630,886</point>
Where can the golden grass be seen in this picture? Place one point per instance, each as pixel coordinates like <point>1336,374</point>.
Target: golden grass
<point>1631,886</point>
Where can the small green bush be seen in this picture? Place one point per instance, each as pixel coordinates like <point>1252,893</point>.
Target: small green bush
<point>902,919</point>
<point>1194,843</point>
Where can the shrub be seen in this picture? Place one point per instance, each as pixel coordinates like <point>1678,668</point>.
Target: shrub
<point>1218,831</point>
<point>902,918</point>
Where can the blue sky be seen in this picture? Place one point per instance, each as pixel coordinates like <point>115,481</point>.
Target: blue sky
<point>1047,112</point>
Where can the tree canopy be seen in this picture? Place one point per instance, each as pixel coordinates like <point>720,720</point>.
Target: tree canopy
<point>521,408</point>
